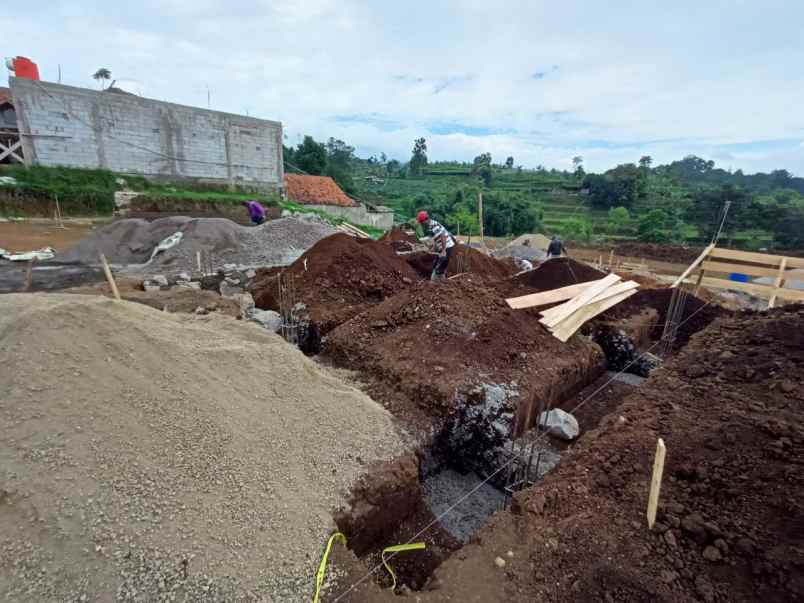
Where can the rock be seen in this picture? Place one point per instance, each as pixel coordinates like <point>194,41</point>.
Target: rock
<point>229,291</point>
<point>201,310</point>
<point>668,576</point>
<point>745,546</point>
<point>499,562</point>
<point>704,588</point>
<point>695,371</point>
<point>712,554</point>
<point>158,280</point>
<point>659,527</point>
<point>246,304</point>
<point>250,273</point>
<point>183,276</point>
<point>510,554</point>
<point>787,386</point>
<point>404,590</point>
<point>670,539</point>
<point>693,523</point>
<point>267,318</point>
<point>560,424</point>
<point>379,324</point>
<point>727,355</point>
<point>722,546</point>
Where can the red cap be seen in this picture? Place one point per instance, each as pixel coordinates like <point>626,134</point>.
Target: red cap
<point>421,218</point>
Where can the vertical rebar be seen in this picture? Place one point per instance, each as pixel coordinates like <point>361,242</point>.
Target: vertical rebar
<point>530,462</point>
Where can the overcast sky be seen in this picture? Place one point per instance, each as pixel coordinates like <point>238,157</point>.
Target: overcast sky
<point>541,81</point>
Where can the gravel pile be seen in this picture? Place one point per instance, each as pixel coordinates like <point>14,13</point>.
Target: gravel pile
<point>221,241</point>
<point>152,457</point>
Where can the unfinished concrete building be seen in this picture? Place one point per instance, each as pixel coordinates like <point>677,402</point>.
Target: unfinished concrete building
<point>115,130</point>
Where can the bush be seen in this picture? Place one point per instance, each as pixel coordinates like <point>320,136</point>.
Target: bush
<point>576,229</point>
<point>652,227</point>
<point>619,219</point>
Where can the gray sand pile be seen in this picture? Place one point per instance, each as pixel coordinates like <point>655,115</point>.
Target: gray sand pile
<point>131,241</point>
<point>149,456</point>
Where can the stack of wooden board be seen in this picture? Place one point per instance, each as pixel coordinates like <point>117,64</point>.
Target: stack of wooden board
<point>586,300</point>
<point>353,231</point>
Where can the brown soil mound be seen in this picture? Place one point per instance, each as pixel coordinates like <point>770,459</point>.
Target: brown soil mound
<point>552,274</point>
<point>558,272</point>
<point>464,259</point>
<point>339,277</point>
<point>398,235</point>
<point>730,411</point>
<point>428,345</point>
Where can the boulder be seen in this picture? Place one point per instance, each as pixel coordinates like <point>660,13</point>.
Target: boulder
<point>230,291</point>
<point>560,424</point>
<point>157,279</point>
<point>267,318</point>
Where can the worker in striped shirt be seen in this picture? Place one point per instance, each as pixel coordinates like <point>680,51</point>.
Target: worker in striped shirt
<point>443,244</point>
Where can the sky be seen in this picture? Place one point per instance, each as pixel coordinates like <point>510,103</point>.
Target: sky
<point>540,81</point>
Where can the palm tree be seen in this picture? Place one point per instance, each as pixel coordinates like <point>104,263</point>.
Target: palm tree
<point>101,75</point>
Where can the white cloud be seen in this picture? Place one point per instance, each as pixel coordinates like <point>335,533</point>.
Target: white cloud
<point>619,80</point>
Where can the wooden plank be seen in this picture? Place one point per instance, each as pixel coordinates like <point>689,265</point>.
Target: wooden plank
<point>777,284</point>
<point>605,294</point>
<point>693,266</point>
<point>547,297</point>
<point>756,258</point>
<point>579,301</point>
<point>726,268</point>
<point>108,272</point>
<point>754,289</point>
<point>656,482</point>
<point>567,328</point>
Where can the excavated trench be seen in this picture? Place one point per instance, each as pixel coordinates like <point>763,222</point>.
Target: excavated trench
<point>466,470</point>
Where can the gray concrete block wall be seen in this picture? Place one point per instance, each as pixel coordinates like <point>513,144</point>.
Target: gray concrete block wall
<point>79,127</point>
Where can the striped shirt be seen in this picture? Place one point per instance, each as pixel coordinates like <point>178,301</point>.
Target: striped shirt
<point>435,230</point>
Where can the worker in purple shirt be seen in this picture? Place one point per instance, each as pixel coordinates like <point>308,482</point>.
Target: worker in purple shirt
<point>255,211</point>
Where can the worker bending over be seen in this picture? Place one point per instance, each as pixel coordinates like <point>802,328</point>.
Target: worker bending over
<point>556,248</point>
<point>442,242</point>
<point>255,211</point>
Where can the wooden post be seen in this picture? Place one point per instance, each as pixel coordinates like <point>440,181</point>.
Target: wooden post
<point>611,260</point>
<point>699,281</point>
<point>656,482</point>
<point>29,275</point>
<point>58,214</point>
<point>480,216</point>
<point>108,272</point>
<point>778,283</point>
<point>198,260</point>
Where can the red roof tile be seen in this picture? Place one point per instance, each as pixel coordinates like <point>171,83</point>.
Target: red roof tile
<point>315,190</point>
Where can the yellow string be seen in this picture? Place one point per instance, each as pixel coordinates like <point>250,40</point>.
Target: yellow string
<point>322,568</point>
<point>399,548</point>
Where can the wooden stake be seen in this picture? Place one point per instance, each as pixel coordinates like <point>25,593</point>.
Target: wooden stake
<point>108,272</point>
<point>611,260</point>
<point>778,283</point>
<point>480,216</point>
<point>656,482</point>
<point>198,260</point>
<point>29,275</point>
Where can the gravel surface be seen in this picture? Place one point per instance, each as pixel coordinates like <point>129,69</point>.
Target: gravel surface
<point>146,456</point>
<point>131,242</point>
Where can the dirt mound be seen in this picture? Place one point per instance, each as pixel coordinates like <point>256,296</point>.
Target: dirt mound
<point>558,272</point>
<point>131,241</point>
<point>150,456</point>
<point>339,277</point>
<point>730,411</point>
<point>464,259</point>
<point>426,348</point>
<point>398,235</point>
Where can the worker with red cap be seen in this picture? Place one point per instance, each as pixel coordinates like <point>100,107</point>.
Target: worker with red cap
<point>442,242</point>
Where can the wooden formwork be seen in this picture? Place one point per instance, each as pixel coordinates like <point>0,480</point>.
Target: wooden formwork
<point>720,262</point>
